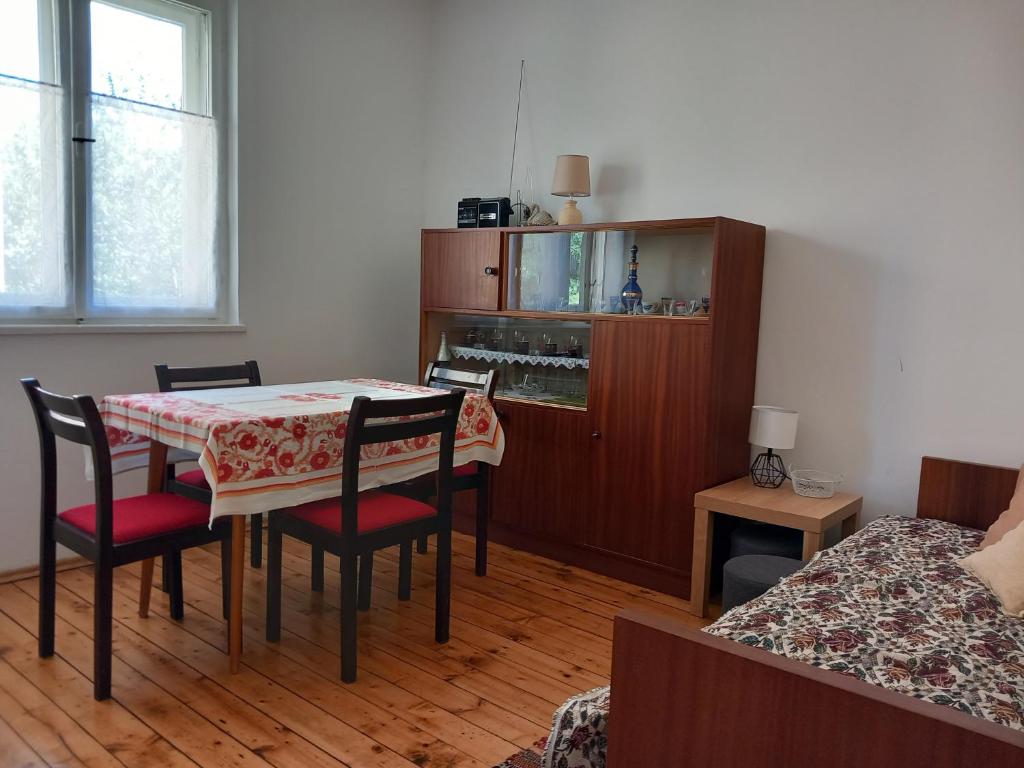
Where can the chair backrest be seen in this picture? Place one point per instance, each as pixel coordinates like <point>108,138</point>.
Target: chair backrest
<point>401,419</point>
<point>183,378</point>
<point>77,420</point>
<point>441,376</point>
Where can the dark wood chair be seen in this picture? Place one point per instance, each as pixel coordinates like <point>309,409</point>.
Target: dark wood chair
<point>193,483</point>
<point>474,476</point>
<point>110,532</point>
<point>359,523</point>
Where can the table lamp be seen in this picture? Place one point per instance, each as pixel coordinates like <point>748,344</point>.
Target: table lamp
<point>775,429</point>
<point>572,179</point>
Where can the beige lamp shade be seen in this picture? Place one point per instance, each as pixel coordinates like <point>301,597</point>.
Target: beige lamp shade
<point>572,176</point>
<point>772,427</point>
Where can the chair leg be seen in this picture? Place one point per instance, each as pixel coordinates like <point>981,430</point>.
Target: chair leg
<point>165,576</point>
<point>47,590</point>
<point>177,597</point>
<point>256,541</point>
<point>103,617</point>
<point>274,546</point>
<point>365,580</point>
<point>316,569</point>
<point>405,570</point>
<point>421,544</point>
<point>443,585</point>
<point>348,617</point>
<point>225,576</point>
<point>481,526</point>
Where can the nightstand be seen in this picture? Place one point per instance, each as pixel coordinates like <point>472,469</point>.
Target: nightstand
<point>778,506</point>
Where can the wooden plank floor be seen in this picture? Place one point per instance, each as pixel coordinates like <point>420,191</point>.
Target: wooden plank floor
<point>530,634</point>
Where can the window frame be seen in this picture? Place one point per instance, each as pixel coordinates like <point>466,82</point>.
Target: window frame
<point>207,95</point>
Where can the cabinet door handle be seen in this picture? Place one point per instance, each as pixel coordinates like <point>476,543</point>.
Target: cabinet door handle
<point>490,270</point>
<point>596,435</point>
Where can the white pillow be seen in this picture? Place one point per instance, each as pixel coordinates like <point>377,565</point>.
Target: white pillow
<point>1001,567</point>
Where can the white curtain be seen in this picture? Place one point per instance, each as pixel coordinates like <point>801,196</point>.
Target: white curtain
<point>34,269</point>
<point>154,198</point>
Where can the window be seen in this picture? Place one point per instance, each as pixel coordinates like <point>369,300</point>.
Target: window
<point>111,190</point>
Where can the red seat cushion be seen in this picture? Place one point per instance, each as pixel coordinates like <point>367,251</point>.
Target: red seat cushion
<point>142,517</point>
<point>376,510</point>
<point>194,477</point>
<point>465,470</point>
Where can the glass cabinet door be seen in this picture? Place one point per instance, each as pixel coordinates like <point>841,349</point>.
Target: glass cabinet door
<point>544,361</point>
<point>586,271</point>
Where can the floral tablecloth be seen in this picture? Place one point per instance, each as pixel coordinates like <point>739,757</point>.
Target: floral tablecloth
<point>271,447</point>
<point>888,605</point>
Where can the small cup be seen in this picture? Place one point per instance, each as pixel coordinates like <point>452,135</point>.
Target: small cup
<point>666,305</point>
<point>613,305</point>
<point>682,308</point>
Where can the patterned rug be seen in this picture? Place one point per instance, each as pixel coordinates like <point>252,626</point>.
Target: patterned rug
<point>528,758</point>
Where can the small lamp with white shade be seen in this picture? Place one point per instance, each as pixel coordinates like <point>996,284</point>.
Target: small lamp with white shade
<point>775,429</point>
<point>572,180</point>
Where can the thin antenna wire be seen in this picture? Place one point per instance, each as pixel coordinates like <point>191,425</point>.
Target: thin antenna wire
<point>515,137</point>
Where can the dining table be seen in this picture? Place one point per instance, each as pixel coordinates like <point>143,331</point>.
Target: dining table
<point>275,446</point>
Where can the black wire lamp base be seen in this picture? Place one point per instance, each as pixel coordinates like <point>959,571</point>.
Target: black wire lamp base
<point>768,471</point>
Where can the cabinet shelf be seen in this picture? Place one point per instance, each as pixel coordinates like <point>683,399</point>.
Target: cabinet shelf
<point>583,316</point>
<point>495,356</point>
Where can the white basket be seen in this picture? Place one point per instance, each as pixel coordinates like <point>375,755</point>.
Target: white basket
<point>811,482</point>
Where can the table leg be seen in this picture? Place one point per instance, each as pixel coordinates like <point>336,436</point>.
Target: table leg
<point>237,576</point>
<point>813,542</point>
<point>850,525</point>
<point>154,484</point>
<point>700,572</point>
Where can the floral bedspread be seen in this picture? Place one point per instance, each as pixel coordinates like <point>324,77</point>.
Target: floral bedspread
<point>888,605</point>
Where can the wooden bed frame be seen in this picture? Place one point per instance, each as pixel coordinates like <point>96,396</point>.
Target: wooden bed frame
<point>681,697</point>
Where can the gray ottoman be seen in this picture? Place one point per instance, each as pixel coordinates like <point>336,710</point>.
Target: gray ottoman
<point>749,576</point>
<point>764,539</point>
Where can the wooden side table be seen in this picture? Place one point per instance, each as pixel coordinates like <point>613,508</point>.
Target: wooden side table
<point>778,506</point>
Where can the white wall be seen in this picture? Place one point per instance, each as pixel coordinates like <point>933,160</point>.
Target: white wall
<point>880,142</point>
<point>329,215</point>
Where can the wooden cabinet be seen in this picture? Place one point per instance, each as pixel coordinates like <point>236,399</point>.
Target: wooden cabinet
<point>648,415</point>
<point>546,459</point>
<point>461,271</point>
<point>607,482</point>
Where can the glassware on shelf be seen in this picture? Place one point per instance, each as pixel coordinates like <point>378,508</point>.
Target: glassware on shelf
<point>496,340</point>
<point>540,360</point>
<point>666,305</point>
<point>632,295</point>
<point>443,354</point>
<point>575,347</point>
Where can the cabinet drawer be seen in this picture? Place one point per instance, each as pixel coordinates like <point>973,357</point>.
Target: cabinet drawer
<point>461,270</point>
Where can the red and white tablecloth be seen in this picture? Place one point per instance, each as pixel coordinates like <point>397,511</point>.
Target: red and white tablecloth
<point>271,447</point>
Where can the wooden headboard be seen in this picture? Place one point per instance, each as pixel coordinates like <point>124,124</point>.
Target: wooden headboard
<point>963,493</point>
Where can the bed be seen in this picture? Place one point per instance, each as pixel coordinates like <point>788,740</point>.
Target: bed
<point>881,652</point>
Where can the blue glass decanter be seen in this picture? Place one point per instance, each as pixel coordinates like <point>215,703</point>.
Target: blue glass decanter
<point>631,293</point>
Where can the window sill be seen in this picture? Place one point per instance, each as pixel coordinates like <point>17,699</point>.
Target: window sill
<point>56,328</point>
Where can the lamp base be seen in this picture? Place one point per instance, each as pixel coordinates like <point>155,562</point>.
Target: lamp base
<point>768,471</point>
<point>570,214</point>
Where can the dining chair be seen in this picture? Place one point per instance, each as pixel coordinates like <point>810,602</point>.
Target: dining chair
<point>474,476</point>
<point>109,532</point>
<point>357,524</point>
<point>193,483</point>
